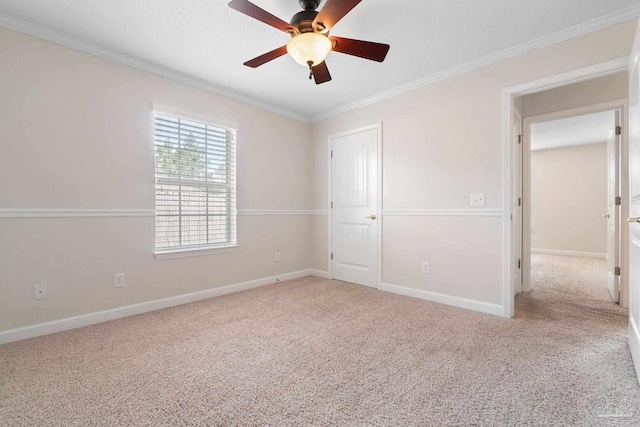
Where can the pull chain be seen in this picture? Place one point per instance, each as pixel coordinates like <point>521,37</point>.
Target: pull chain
<point>310,69</point>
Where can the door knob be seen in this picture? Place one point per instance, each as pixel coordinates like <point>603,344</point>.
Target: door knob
<point>606,216</point>
<point>372,216</point>
<point>633,219</point>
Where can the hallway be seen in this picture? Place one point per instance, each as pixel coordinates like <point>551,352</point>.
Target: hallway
<point>572,280</point>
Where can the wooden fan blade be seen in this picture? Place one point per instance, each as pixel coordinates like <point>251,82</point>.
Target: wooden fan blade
<point>332,12</point>
<point>255,12</point>
<point>321,73</point>
<point>363,49</point>
<point>269,56</point>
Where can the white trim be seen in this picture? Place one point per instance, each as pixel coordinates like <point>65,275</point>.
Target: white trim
<point>100,213</point>
<point>525,254</point>
<point>566,34</point>
<point>517,150</point>
<point>591,72</point>
<point>267,212</point>
<point>139,64</point>
<point>380,199</point>
<point>329,209</point>
<point>634,343</point>
<point>320,273</point>
<point>75,213</point>
<point>145,307</point>
<point>568,253</point>
<point>482,307</point>
<point>446,212</point>
<point>185,253</point>
<point>508,95</point>
<point>508,290</point>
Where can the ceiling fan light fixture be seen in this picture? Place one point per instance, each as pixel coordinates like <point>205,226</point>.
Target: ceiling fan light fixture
<point>309,49</point>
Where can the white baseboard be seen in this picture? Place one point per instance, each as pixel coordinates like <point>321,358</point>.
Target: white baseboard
<point>568,253</point>
<point>320,273</point>
<point>468,304</point>
<point>634,345</point>
<point>47,328</point>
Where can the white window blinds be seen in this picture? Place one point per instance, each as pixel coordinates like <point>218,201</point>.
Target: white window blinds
<point>195,184</point>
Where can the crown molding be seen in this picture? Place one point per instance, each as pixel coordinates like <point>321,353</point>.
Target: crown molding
<point>605,21</point>
<point>149,67</point>
<point>560,36</point>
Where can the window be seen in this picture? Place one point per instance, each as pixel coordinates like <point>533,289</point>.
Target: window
<point>195,185</point>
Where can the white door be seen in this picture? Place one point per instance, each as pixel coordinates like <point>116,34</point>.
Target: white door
<point>516,211</point>
<point>634,198</point>
<point>354,214</point>
<point>613,211</point>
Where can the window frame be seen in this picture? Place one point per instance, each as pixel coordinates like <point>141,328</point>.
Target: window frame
<point>230,147</point>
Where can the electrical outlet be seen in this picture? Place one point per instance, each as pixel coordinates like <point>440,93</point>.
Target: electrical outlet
<point>277,256</point>
<point>39,291</point>
<point>118,280</point>
<point>536,237</point>
<point>426,269</point>
<point>477,199</point>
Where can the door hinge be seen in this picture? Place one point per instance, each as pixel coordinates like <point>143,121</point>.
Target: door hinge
<point>331,255</point>
<point>617,271</point>
<point>519,201</point>
<point>332,154</point>
<point>519,139</point>
<point>331,205</point>
<point>511,217</point>
<point>618,201</point>
<point>618,130</point>
<point>518,263</point>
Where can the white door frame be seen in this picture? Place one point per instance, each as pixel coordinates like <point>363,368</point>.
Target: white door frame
<point>508,96</point>
<point>378,128</point>
<point>621,105</point>
<point>519,145</point>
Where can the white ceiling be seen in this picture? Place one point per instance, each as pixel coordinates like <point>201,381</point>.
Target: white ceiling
<point>205,43</point>
<point>579,130</point>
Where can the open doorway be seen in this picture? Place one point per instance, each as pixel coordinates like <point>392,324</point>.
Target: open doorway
<point>572,183</point>
<point>574,215</point>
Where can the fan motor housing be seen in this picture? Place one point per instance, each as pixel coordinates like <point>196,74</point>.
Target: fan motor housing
<point>309,4</point>
<point>303,20</point>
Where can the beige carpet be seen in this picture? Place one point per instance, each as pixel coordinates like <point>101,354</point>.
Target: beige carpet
<point>320,352</point>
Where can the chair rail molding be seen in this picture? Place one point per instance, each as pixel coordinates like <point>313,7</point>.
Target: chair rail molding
<point>75,213</point>
<point>444,212</point>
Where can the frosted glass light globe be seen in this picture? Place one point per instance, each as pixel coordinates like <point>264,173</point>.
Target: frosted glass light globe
<point>309,47</point>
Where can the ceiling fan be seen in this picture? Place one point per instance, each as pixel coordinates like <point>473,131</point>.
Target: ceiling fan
<point>309,30</point>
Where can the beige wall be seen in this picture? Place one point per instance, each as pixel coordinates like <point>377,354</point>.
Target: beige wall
<point>441,143</point>
<point>76,134</point>
<point>590,92</point>
<point>568,199</point>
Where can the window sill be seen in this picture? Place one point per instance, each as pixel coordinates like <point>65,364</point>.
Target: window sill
<point>184,253</point>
